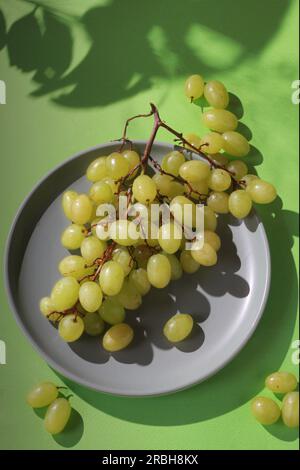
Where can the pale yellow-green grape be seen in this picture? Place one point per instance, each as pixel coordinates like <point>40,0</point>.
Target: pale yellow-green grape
<point>212,239</point>
<point>57,416</point>
<point>148,233</point>
<point>67,201</point>
<point>133,160</point>
<point>265,410</point>
<point>81,209</point>
<point>219,180</point>
<point>239,203</point>
<point>290,410</point>
<point>142,254</point>
<point>116,165</point>
<point>194,171</point>
<point>129,296</point>
<point>189,265</point>
<point>176,189</point>
<point>72,236</point>
<point>117,337</point>
<point>124,232</point>
<point>248,178</point>
<point>220,120</point>
<point>144,189</point>
<point>176,268</point>
<point>101,193</point>
<point>281,382</point>
<point>163,183</point>
<point>70,327</point>
<point>170,236</point>
<point>122,256</point>
<point>111,278</point>
<point>97,170</point>
<point>214,141</point>
<point>210,219</point>
<point>204,253</point>
<point>94,224</point>
<point>178,327</point>
<point>194,87</point>
<point>113,184</point>
<point>139,278</point>
<point>192,139</point>
<point>46,306</point>
<point>93,324</point>
<point>159,271</point>
<point>183,210</point>
<point>64,294</point>
<point>198,188</point>
<point>90,296</point>
<point>216,94</point>
<point>92,248</point>
<point>73,266</point>
<point>172,162</point>
<point>261,191</point>
<point>94,211</point>
<point>218,202</point>
<point>219,159</point>
<point>235,144</point>
<point>42,395</point>
<point>238,168</point>
<point>111,311</point>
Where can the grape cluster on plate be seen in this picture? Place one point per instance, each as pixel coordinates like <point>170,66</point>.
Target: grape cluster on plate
<point>118,264</point>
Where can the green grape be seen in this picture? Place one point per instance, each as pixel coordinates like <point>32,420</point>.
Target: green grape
<point>97,170</point>
<point>116,166</point>
<point>144,189</point>
<point>163,183</point>
<point>194,171</point>
<point>210,219</point>
<point>172,162</point>
<point>189,265</point>
<point>204,253</point>
<point>113,184</point>
<point>248,178</point>
<point>92,248</point>
<point>111,278</point>
<point>261,191</point>
<point>238,168</point>
<point>194,140</point>
<point>194,87</point>
<point>281,382</point>
<point>265,410</point>
<point>46,306</point>
<point>178,327</point>
<point>218,202</point>
<point>122,256</point>
<point>214,141</point>
<point>212,239</point>
<point>176,268</point>
<point>70,327</point>
<point>101,193</point>
<point>81,209</point>
<point>90,296</point>
<point>57,416</point>
<point>124,232</point>
<point>239,203</point>
<point>235,144</point>
<point>219,159</point>
<point>220,120</point>
<point>93,324</point>
<point>176,189</point>
<point>290,410</point>
<point>42,395</point>
<point>142,254</point>
<point>67,201</point>
<point>73,266</point>
<point>129,296</point>
<point>64,294</point>
<point>72,236</point>
<point>111,311</point>
<point>170,236</point>
<point>219,180</point>
<point>216,94</point>
<point>139,278</point>
<point>117,337</point>
<point>133,160</point>
<point>183,210</point>
<point>159,271</point>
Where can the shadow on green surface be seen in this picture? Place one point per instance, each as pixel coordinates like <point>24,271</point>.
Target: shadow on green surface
<point>244,377</point>
<point>131,48</point>
<point>282,432</point>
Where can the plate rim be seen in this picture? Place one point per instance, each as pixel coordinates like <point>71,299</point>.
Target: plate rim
<point>76,378</point>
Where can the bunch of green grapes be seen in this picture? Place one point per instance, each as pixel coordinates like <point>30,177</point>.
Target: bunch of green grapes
<point>114,267</point>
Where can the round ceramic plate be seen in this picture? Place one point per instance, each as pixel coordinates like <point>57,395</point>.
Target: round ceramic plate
<point>226,301</point>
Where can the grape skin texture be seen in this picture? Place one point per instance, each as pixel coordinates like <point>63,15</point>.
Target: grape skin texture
<point>219,180</point>
<point>216,94</point>
<point>144,189</point>
<point>290,410</point>
<point>220,120</point>
<point>73,236</point>
<point>172,162</point>
<point>238,168</point>
<point>240,203</point>
<point>57,416</point>
<point>194,87</point>
<point>92,248</point>
<point>139,279</point>
<point>215,142</point>
<point>204,255</point>
<point>281,382</point>
<point>67,201</point>
<point>64,294</point>
<point>218,202</point>
<point>265,410</point>
<point>117,337</point>
<point>97,170</point>
<point>81,209</point>
<point>90,296</point>
<point>178,327</point>
<point>261,191</point>
<point>42,395</point>
<point>159,271</point>
<point>194,171</point>
<point>70,328</point>
<point>112,312</point>
<point>188,263</point>
<point>235,144</point>
<point>93,324</point>
<point>111,278</point>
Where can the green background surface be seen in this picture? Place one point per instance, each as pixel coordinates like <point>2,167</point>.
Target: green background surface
<point>97,63</point>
